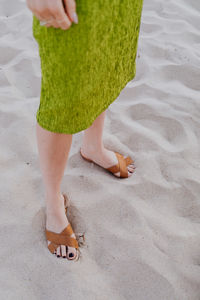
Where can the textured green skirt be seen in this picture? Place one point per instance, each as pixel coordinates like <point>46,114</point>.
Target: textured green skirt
<point>85,67</point>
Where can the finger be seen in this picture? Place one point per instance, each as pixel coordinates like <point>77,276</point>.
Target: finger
<point>54,23</point>
<point>48,25</point>
<point>40,10</point>
<point>46,18</point>
<point>50,21</point>
<point>70,8</point>
<point>46,15</point>
<point>60,16</point>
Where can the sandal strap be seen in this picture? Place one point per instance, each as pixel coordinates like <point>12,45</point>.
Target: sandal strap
<point>66,200</point>
<point>120,167</point>
<point>62,238</point>
<point>113,169</point>
<point>128,160</point>
<point>67,230</point>
<point>52,247</point>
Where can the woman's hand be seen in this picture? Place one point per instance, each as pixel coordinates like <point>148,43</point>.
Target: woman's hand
<point>58,13</point>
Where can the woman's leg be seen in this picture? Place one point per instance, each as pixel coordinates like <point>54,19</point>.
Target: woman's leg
<point>93,148</point>
<point>53,151</point>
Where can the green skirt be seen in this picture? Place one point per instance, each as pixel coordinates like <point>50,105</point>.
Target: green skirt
<point>85,67</point>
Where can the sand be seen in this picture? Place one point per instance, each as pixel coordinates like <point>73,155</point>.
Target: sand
<point>142,234</point>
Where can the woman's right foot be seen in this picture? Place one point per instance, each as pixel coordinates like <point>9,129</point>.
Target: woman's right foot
<point>104,158</point>
<point>56,221</point>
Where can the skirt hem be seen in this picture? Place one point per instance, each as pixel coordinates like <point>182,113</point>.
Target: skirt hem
<point>90,122</point>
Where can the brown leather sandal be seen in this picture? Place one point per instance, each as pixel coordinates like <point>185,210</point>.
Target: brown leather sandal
<point>121,166</point>
<point>64,237</point>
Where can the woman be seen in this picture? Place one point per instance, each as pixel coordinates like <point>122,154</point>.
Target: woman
<point>87,51</point>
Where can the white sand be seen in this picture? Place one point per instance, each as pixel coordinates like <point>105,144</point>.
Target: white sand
<point>142,233</point>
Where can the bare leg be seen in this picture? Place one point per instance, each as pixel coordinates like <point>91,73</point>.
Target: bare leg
<point>53,154</point>
<point>93,148</point>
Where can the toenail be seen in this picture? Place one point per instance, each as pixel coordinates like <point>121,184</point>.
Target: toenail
<point>71,254</point>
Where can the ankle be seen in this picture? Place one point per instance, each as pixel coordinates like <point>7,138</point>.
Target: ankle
<point>55,220</point>
<point>54,212</point>
<point>54,205</point>
<point>53,194</point>
<point>92,148</point>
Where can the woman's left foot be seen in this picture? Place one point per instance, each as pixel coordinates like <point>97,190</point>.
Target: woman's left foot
<point>105,158</point>
<point>57,222</point>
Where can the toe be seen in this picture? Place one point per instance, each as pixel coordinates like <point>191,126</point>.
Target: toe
<point>63,251</point>
<point>132,166</point>
<point>58,252</point>
<point>130,169</point>
<point>129,174</point>
<point>71,253</point>
<point>117,174</point>
<point>48,242</point>
<point>132,163</point>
